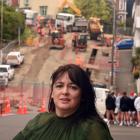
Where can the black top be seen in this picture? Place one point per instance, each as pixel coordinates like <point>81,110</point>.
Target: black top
<point>47,126</point>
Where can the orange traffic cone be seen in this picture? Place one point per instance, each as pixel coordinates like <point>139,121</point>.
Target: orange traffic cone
<point>7,108</point>
<point>20,109</point>
<point>43,107</point>
<point>24,109</point>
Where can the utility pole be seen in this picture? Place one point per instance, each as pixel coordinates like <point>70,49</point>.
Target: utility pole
<point>113,47</point>
<point>19,32</point>
<point>1,34</point>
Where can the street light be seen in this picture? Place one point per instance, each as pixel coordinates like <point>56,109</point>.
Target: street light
<point>113,42</point>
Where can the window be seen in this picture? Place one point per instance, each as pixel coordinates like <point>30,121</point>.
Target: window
<point>43,10</point>
<point>62,17</point>
<point>26,3</point>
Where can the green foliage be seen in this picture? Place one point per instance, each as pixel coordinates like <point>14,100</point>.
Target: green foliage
<point>95,8</point>
<point>136,63</point>
<point>27,33</point>
<point>121,24</point>
<point>136,74</point>
<point>12,20</point>
<point>67,10</point>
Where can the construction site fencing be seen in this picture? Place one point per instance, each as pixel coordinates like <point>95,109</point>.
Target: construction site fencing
<point>31,96</point>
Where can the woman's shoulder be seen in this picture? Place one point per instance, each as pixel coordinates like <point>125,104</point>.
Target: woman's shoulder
<point>98,129</point>
<point>39,119</point>
<point>93,122</point>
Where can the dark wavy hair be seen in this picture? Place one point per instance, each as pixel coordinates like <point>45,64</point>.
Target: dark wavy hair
<point>79,77</point>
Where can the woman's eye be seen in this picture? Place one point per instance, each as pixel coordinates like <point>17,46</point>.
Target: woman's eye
<point>73,87</point>
<point>58,86</point>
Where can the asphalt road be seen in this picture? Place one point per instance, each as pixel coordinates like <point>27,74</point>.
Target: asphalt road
<point>11,125</point>
<point>124,78</point>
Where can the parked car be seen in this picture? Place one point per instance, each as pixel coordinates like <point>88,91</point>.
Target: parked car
<point>125,44</point>
<point>14,58</point>
<point>7,71</point>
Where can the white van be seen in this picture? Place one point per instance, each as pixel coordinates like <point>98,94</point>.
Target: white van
<point>14,58</point>
<point>101,94</point>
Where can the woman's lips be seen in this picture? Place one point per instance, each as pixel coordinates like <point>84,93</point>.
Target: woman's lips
<point>65,99</point>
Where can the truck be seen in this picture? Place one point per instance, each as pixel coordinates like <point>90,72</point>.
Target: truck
<point>80,25</point>
<point>7,71</point>
<point>95,28</point>
<point>30,16</point>
<point>71,22</point>
<point>14,58</point>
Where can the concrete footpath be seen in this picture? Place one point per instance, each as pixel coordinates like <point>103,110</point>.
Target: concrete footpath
<point>12,124</point>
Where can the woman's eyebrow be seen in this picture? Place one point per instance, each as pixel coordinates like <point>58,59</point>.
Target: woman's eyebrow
<point>58,82</point>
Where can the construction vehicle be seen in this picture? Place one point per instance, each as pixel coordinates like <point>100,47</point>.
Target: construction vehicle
<point>68,4</point>
<point>79,42</point>
<point>95,28</point>
<point>71,22</point>
<point>57,40</point>
<point>80,25</point>
<point>30,16</point>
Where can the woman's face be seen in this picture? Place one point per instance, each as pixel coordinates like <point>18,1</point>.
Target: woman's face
<point>66,96</point>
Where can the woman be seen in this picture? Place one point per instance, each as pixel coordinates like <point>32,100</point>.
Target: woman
<point>110,107</point>
<point>124,108</point>
<point>72,113</point>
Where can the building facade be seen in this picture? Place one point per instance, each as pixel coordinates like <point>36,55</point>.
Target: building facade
<point>129,8</point>
<point>121,10</point>
<point>136,26</point>
<point>43,7</point>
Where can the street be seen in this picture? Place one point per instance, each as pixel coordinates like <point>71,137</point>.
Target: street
<point>11,125</point>
<point>124,78</point>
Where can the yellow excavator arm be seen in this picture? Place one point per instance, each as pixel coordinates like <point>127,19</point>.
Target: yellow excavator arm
<point>72,6</point>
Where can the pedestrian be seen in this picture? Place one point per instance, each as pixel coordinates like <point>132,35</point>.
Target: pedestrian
<point>110,107</point>
<point>117,109</point>
<point>137,106</point>
<point>132,111</point>
<point>124,108</point>
<point>72,113</point>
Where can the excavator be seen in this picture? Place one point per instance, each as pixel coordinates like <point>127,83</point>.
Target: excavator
<point>66,3</point>
<point>95,28</point>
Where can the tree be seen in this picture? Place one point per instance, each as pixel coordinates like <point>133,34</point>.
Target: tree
<point>136,63</point>
<point>98,8</point>
<point>12,20</point>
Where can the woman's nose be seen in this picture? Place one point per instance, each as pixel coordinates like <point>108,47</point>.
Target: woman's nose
<point>65,90</point>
